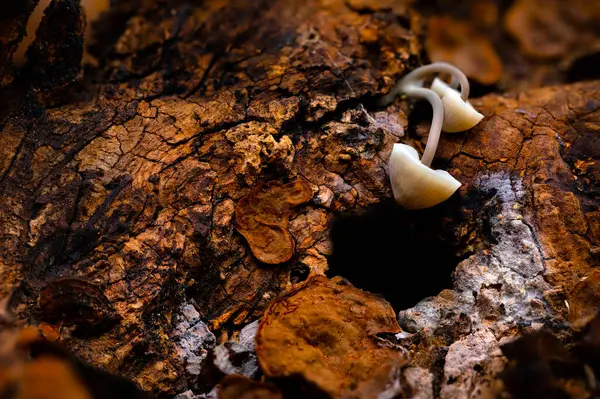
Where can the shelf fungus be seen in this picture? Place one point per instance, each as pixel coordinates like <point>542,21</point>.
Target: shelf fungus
<point>414,184</point>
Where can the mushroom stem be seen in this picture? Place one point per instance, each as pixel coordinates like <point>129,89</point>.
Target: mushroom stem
<point>437,67</point>
<point>436,122</point>
<point>411,85</point>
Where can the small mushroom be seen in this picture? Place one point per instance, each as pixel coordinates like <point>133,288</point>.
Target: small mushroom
<point>414,184</point>
<point>459,115</point>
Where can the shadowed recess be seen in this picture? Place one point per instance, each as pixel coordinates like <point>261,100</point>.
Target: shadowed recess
<point>584,68</point>
<point>403,255</point>
<point>406,256</point>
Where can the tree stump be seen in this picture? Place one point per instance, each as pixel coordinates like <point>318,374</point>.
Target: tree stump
<point>219,154</point>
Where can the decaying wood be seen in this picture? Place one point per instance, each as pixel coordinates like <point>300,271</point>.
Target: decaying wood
<point>333,335</point>
<point>538,226</point>
<point>133,188</point>
<point>121,188</point>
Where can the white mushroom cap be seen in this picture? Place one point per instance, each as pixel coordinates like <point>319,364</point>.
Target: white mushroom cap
<point>414,79</point>
<point>459,115</point>
<point>440,87</point>
<point>416,186</point>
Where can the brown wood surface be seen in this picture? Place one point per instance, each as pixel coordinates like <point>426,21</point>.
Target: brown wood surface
<point>120,181</point>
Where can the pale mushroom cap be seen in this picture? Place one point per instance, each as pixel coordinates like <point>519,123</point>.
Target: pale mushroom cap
<point>458,114</point>
<point>440,87</point>
<point>416,186</point>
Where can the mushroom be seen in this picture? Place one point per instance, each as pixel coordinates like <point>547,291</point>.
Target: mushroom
<point>414,184</point>
<point>459,115</point>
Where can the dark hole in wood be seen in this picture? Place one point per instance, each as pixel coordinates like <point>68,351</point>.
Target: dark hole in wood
<point>403,255</point>
<point>585,68</point>
<point>406,256</point>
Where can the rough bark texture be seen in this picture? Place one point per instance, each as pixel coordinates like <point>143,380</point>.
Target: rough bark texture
<point>133,188</point>
<point>119,190</point>
<point>535,155</point>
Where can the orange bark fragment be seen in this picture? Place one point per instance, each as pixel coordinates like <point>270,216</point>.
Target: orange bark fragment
<point>51,378</point>
<point>262,218</point>
<point>26,373</point>
<point>327,332</point>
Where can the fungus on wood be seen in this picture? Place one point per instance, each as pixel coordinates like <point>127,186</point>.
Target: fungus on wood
<point>78,303</point>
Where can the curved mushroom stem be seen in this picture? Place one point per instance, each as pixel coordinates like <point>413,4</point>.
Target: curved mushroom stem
<point>455,84</point>
<point>439,67</point>
<point>410,84</point>
<point>436,122</point>
<point>419,73</point>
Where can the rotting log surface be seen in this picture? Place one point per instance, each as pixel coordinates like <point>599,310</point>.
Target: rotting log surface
<point>132,185</point>
<point>534,159</point>
<point>128,180</point>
